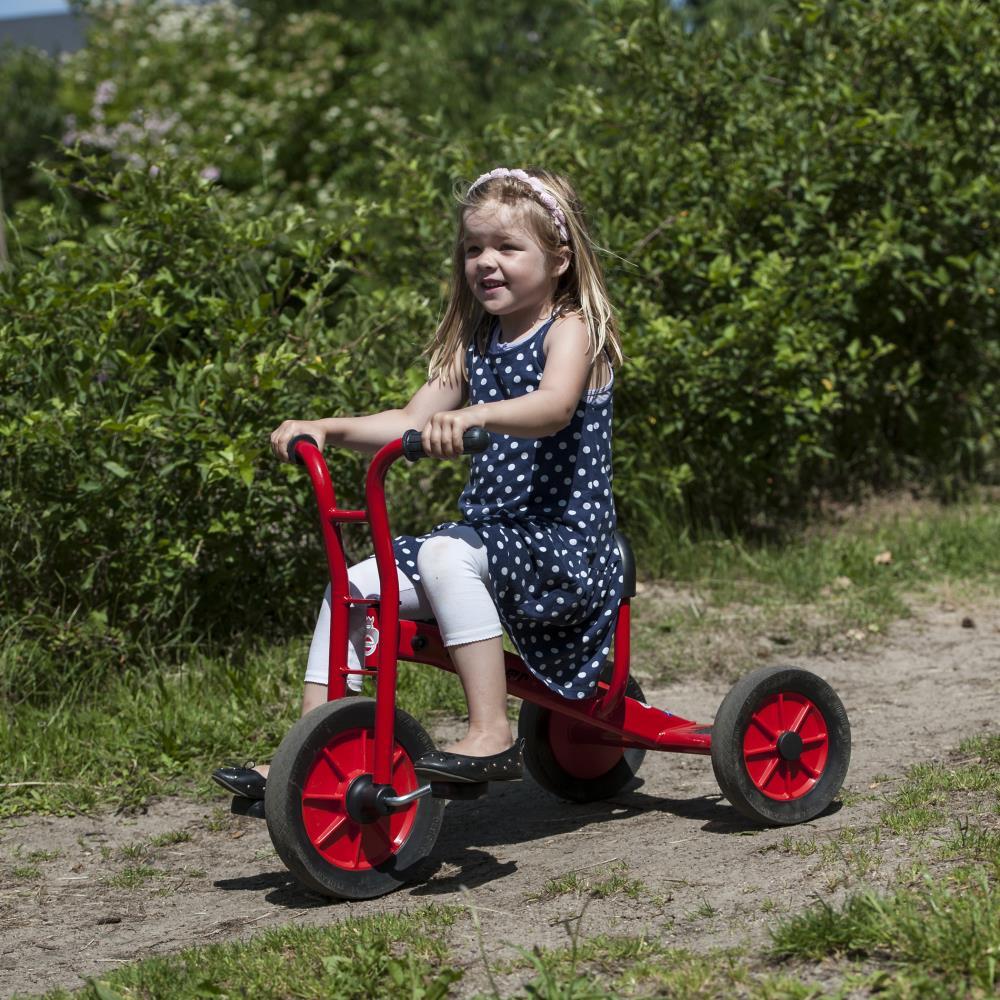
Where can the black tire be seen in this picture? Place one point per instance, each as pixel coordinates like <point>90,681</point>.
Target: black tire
<point>535,724</point>
<point>810,794</point>
<point>285,808</point>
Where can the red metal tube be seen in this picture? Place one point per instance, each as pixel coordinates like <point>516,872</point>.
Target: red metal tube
<point>336,562</point>
<point>388,612</point>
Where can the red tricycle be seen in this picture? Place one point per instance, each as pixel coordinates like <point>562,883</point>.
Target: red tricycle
<point>345,808</point>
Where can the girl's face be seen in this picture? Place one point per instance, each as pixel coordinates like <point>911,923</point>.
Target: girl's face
<point>506,270</point>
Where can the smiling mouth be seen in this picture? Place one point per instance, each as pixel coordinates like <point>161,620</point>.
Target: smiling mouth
<point>491,283</point>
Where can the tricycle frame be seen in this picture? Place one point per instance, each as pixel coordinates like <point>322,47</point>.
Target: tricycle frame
<point>610,719</point>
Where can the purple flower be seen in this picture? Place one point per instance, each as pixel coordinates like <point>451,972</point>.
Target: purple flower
<point>105,92</point>
<point>210,173</point>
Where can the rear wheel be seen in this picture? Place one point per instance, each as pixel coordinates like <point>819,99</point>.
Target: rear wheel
<point>781,745</point>
<point>565,757</point>
<point>323,757</point>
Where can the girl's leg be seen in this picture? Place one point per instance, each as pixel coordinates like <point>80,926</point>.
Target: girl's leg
<point>454,572</point>
<point>479,666</point>
<point>364,583</point>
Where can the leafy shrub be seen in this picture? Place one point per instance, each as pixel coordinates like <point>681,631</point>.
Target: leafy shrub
<point>31,122</point>
<point>803,227</point>
<point>142,366</point>
<point>812,234</point>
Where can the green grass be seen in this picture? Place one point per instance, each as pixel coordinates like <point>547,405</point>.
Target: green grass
<point>937,934</point>
<point>380,956</point>
<point>730,602</point>
<point>615,882</point>
<point>133,876</point>
<point>155,731</point>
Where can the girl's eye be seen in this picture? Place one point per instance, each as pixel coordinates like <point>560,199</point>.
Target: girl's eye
<point>471,251</point>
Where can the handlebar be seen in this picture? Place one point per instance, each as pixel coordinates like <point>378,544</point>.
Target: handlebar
<point>299,438</point>
<point>474,441</point>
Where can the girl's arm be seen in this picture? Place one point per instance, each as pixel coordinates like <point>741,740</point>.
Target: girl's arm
<point>369,433</point>
<point>536,414</point>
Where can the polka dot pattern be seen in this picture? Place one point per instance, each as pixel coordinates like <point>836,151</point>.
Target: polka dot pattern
<point>544,510</point>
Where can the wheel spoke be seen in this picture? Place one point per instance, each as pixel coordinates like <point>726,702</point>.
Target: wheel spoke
<point>358,841</point>
<point>334,766</point>
<point>814,741</point>
<point>781,710</point>
<point>768,772</point>
<point>322,799</point>
<point>761,752</point>
<point>801,717</point>
<point>397,755</point>
<point>324,839</point>
<point>382,832</point>
<point>812,772</point>
<point>758,722</point>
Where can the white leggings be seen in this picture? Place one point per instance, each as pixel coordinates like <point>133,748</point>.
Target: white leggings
<point>454,588</point>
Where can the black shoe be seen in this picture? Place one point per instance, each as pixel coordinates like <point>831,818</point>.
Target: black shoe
<point>243,781</point>
<point>241,806</point>
<point>439,765</point>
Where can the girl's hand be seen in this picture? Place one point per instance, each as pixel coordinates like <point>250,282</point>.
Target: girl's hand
<point>441,436</point>
<point>293,428</point>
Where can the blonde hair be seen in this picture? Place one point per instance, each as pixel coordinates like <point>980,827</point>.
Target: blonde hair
<point>580,288</point>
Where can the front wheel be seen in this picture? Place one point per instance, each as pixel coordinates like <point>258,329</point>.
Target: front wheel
<point>781,745</point>
<point>324,846</point>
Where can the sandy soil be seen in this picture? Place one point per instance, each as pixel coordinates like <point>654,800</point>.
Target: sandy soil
<point>706,877</point>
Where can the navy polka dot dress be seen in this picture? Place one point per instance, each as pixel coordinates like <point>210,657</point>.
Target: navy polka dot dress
<point>544,510</point>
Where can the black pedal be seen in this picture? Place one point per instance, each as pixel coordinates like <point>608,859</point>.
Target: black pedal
<point>242,806</point>
<point>459,789</point>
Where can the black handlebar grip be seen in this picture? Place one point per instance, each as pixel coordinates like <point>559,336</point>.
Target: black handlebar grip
<point>292,454</point>
<point>474,441</point>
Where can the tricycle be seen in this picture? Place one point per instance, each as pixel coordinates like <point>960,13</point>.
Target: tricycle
<point>347,811</point>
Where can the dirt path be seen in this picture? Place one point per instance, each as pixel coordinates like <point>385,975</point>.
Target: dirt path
<point>705,877</point>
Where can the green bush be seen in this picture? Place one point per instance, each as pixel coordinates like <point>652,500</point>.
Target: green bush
<point>802,225</point>
<point>31,123</point>
<point>142,365</point>
<point>808,220</point>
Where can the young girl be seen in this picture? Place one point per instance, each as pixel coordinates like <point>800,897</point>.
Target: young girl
<point>526,349</point>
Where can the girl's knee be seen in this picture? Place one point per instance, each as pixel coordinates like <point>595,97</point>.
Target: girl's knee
<point>442,554</point>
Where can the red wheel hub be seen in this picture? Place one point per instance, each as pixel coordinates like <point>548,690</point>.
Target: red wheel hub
<point>786,746</point>
<point>341,840</point>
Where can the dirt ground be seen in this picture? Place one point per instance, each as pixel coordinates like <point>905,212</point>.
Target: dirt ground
<point>705,877</point>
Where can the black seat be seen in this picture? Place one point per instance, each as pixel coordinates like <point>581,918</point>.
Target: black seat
<point>628,564</point>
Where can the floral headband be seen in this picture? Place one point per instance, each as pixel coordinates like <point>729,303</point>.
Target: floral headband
<point>545,196</point>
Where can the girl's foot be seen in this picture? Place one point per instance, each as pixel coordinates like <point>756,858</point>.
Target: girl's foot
<point>483,744</point>
<point>247,780</point>
<point>441,765</point>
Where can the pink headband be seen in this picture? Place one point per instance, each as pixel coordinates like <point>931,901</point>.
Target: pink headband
<point>545,196</point>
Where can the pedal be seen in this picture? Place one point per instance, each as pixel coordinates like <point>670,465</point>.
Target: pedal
<point>459,789</point>
<point>242,806</point>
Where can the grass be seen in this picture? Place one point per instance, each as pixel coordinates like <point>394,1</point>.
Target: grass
<point>133,876</point>
<point>616,882</point>
<point>381,956</point>
<point>938,933</point>
<point>729,603</point>
<point>934,934</point>
<point>152,731</point>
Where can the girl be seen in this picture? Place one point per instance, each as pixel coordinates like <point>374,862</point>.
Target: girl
<point>526,349</point>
